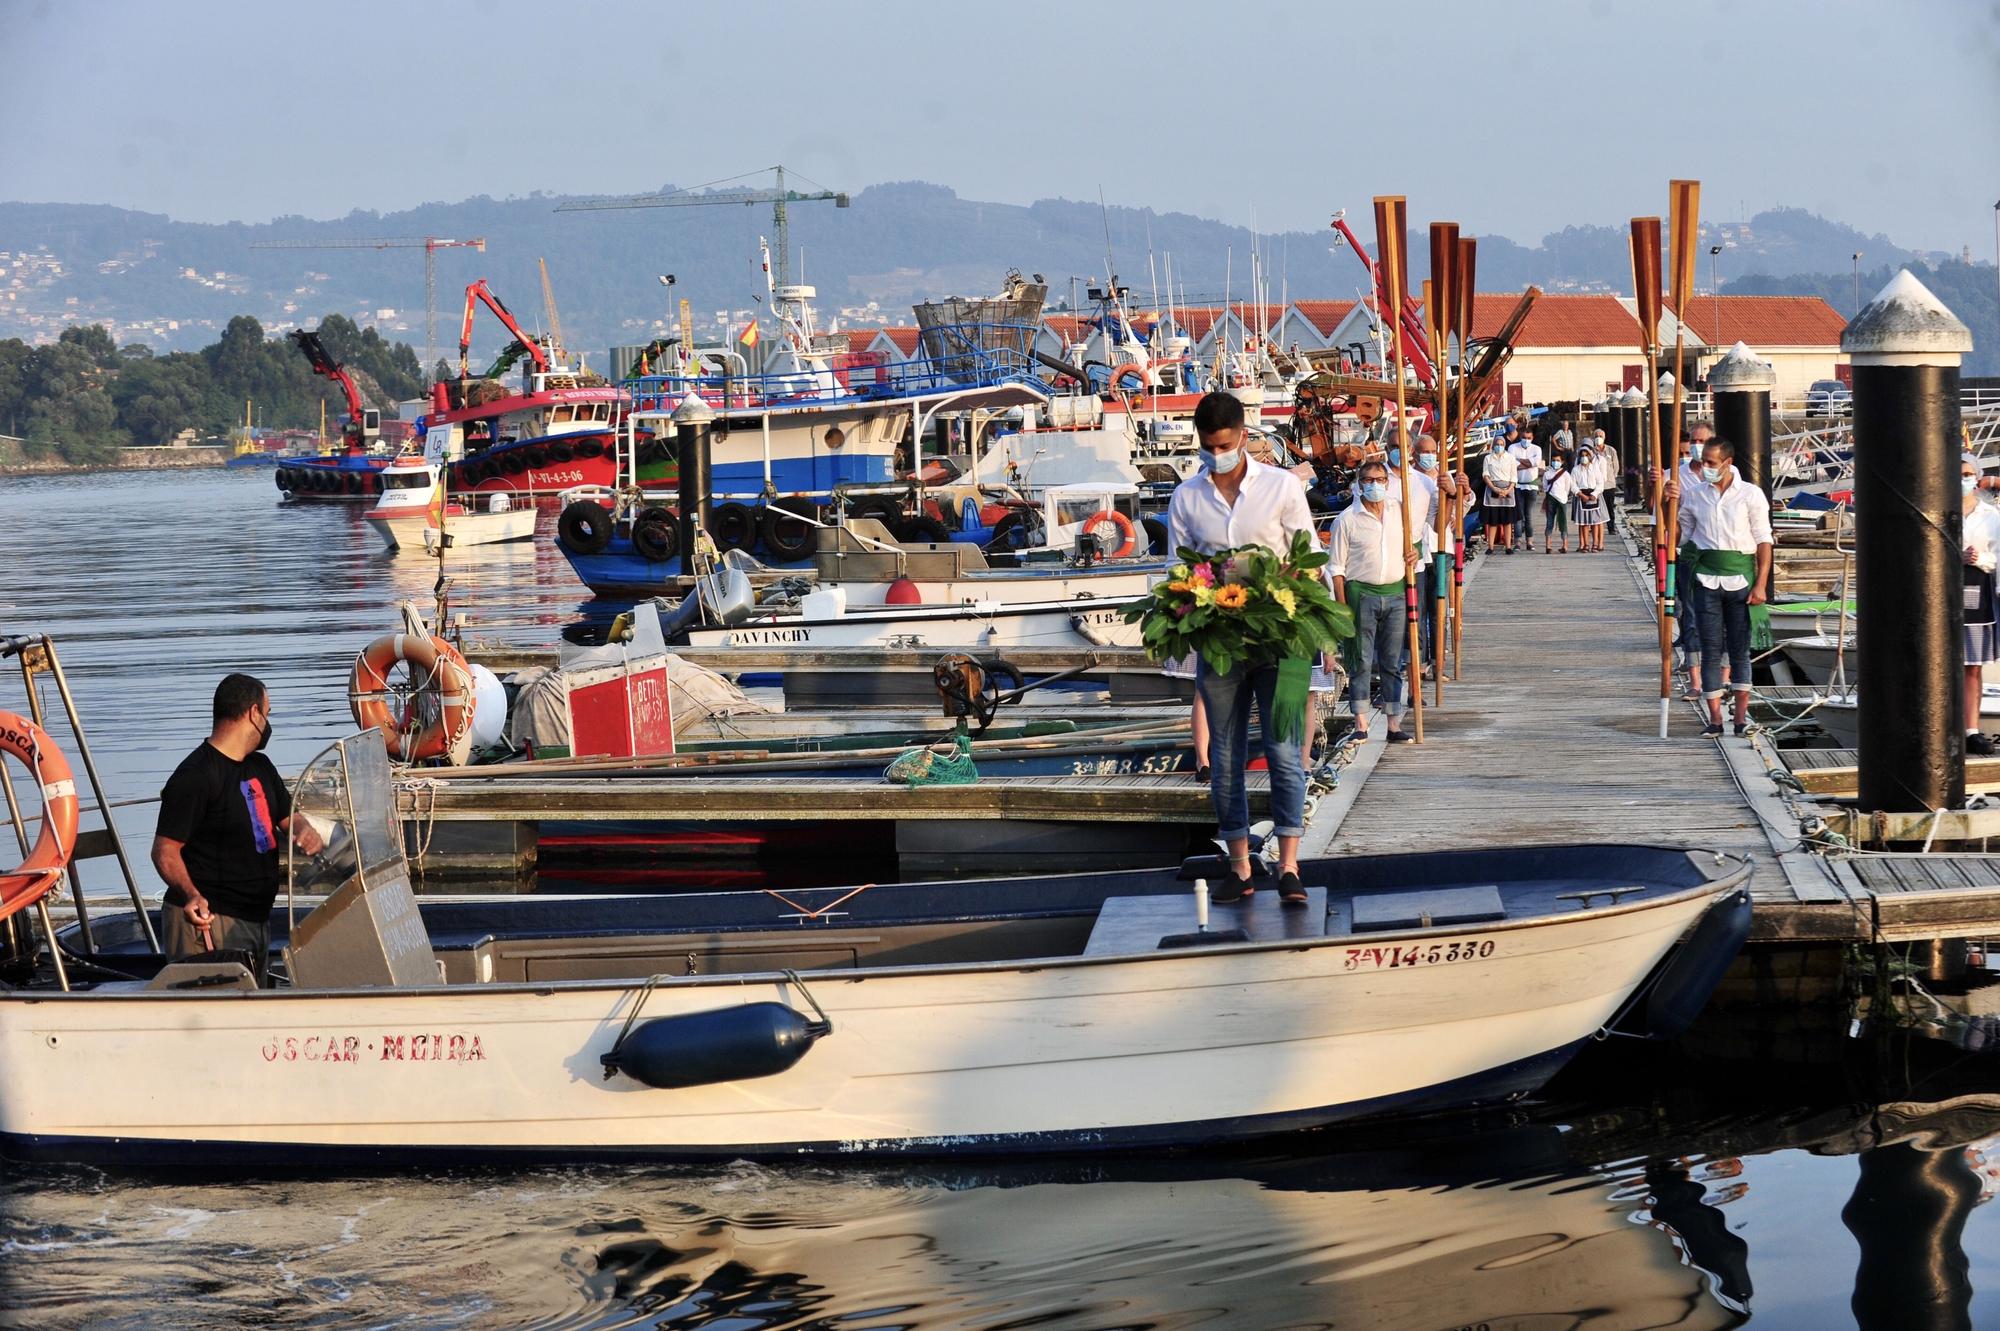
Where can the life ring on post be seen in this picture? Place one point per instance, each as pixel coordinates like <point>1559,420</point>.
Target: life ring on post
<point>1128,538</point>
<point>39,874</point>
<point>438,670</point>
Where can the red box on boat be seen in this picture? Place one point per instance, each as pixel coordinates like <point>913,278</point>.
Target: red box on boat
<point>621,711</point>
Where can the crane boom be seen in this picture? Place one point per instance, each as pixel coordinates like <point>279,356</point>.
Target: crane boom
<point>474,294</point>
<point>325,366</point>
<point>549,304</point>
<point>700,196</point>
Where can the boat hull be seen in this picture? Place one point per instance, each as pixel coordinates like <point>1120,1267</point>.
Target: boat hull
<point>1082,623</point>
<point>415,532</point>
<point>1160,1048</point>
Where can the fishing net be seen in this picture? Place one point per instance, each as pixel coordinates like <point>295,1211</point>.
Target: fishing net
<point>928,767</point>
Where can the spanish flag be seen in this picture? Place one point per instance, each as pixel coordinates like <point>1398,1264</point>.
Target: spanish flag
<point>750,335</point>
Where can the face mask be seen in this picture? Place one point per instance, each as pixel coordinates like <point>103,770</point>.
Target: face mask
<point>1221,464</point>
<point>1428,461</point>
<point>1374,491</point>
<point>1968,484</point>
<point>1711,474</point>
<point>1395,456</point>
<point>263,733</point>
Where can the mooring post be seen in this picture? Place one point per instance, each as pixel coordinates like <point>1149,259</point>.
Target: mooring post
<point>1742,386</point>
<point>692,421</point>
<point>1637,446</point>
<point>1910,631</point>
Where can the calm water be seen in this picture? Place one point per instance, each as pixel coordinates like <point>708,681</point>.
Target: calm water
<point>1821,1183</point>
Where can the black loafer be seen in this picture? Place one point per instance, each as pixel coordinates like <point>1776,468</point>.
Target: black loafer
<point>1201,775</point>
<point>1400,737</point>
<point>1712,728</point>
<point>1291,892</point>
<point>1232,890</point>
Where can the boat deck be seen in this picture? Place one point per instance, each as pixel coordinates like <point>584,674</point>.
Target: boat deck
<point>1553,736</point>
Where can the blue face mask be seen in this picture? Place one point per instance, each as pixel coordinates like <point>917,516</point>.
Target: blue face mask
<point>1395,456</point>
<point>1374,491</point>
<point>1222,463</point>
<point>1428,461</point>
<point>1711,474</point>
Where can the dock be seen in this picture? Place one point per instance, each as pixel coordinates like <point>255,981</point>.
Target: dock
<point>1552,735</point>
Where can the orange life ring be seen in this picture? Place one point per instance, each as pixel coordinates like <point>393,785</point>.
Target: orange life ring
<point>437,668</point>
<point>1118,375</point>
<point>1124,526</point>
<point>39,874</point>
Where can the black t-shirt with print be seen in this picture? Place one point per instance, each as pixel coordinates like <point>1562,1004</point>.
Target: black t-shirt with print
<point>225,814</point>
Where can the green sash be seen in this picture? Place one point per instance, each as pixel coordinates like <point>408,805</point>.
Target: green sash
<point>1288,700</point>
<point>1725,564</point>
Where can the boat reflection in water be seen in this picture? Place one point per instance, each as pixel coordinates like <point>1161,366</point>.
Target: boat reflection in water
<point>1422,1236</point>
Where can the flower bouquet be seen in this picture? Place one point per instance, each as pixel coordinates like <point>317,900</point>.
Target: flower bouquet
<point>1248,605</point>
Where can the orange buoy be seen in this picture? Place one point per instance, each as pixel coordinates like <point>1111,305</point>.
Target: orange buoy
<point>39,874</point>
<point>903,592</point>
<point>437,669</point>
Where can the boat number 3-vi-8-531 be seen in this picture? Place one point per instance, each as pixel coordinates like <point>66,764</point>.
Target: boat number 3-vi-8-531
<point>1416,954</point>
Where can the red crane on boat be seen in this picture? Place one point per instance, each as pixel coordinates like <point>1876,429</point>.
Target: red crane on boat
<point>363,422</point>
<point>1416,348</point>
<point>476,293</point>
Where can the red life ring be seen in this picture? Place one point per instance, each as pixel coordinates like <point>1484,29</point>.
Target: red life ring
<point>1118,375</point>
<point>39,874</point>
<point>438,669</point>
<point>1119,522</point>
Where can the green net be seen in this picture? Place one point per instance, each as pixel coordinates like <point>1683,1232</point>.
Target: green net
<point>928,767</point>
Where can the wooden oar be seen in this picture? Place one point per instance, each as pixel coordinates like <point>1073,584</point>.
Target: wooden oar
<point>1441,305</point>
<point>1646,285</point>
<point>1463,274</point>
<point>1391,212</point>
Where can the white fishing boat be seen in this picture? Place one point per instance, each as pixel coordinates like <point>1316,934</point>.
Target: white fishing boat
<point>407,515</point>
<point>1076,1012</point>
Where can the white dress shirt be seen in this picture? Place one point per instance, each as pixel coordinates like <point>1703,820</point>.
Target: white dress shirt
<point>1498,469</point>
<point>1738,518</point>
<point>1268,509</point>
<point>1528,462</point>
<point>1982,535</point>
<point>1424,513</point>
<point>1366,548</point>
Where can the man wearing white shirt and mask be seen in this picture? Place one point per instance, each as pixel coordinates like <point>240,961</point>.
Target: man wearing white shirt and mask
<point>1728,522</point>
<point>1528,463</point>
<point>1235,501</point>
<point>1426,482</point>
<point>1371,567</point>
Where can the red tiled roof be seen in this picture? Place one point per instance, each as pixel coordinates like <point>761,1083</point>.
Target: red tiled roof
<point>1068,327</point>
<point>1325,315</point>
<point>1765,321</point>
<point>1562,320</point>
<point>905,339</point>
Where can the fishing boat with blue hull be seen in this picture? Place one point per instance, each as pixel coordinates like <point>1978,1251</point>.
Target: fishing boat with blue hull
<point>1079,1012</point>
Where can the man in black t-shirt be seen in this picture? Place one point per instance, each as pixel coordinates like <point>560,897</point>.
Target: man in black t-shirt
<point>217,845</point>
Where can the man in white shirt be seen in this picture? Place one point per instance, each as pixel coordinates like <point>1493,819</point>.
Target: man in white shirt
<point>1687,592</point>
<point>1371,569</point>
<point>1728,522</point>
<point>1235,501</point>
<point>1616,476</point>
<point>1528,463</point>
<point>1427,481</point>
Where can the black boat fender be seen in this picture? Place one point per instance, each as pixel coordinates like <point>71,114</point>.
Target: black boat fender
<point>585,527</point>
<point>787,528</point>
<point>723,1044</point>
<point>1693,969</point>
<point>656,533</point>
<point>733,526</point>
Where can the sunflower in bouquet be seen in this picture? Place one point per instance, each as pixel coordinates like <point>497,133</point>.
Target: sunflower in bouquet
<point>1248,605</point>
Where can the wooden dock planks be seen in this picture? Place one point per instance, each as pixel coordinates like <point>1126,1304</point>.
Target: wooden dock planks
<point>1551,734</point>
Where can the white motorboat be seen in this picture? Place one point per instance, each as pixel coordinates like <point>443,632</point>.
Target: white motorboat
<point>824,620</point>
<point>1075,1012</point>
<point>407,514</point>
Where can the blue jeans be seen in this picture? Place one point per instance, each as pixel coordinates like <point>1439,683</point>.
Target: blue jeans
<point>1526,502</point>
<point>1381,624</point>
<point>1228,698</point>
<point>1725,627</point>
<point>1687,609</point>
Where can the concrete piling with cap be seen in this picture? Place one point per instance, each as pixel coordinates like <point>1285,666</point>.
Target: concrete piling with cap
<point>1910,621</point>
<point>1742,386</point>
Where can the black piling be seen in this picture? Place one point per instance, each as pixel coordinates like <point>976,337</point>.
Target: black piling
<point>1742,386</point>
<point>1607,418</point>
<point>694,420</point>
<point>1637,450</point>
<point>1910,630</point>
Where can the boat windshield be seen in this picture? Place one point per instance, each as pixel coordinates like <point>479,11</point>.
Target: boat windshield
<point>406,480</point>
<point>347,796</point>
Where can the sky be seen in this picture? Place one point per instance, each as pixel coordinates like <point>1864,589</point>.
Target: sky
<point>1514,118</point>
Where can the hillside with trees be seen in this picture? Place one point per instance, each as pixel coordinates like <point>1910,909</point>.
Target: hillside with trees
<point>81,397</point>
<point>1967,289</point>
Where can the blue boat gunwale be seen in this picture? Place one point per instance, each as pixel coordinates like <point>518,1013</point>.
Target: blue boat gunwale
<point>1713,887</point>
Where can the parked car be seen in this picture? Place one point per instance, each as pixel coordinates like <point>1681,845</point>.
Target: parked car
<point>1829,397</point>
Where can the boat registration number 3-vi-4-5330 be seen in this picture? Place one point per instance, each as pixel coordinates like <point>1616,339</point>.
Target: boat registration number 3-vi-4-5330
<point>1395,957</point>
